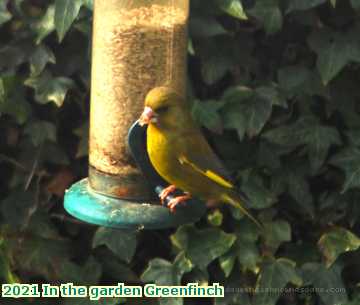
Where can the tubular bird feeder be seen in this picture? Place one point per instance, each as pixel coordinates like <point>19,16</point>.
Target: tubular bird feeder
<point>137,45</point>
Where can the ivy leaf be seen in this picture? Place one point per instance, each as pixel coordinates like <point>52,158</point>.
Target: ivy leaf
<point>215,63</point>
<point>121,242</point>
<point>41,131</point>
<point>88,274</point>
<point>275,274</point>
<point>40,256</point>
<point>318,145</point>
<point>227,262</point>
<point>300,5</point>
<point>269,13</point>
<point>245,111</point>
<point>293,179</point>
<point>4,13</point>
<point>307,131</point>
<point>233,8</point>
<point>247,251</point>
<point>277,232</point>
<point>335,50</point>
<point>272,94</point>
<point>236,291</point>
<point>66,12</point>
<point>18,208</point>
<point>298,80</point>
<point>164,273</point>
<point>253,186</point>
<point>202,246</point>
<point>12,99</point>
<point>39,59</point>
<point>46,24</point>
<point>50,89</point>
<point>324,280</point>
<point>349,161</point>
<point>336,242</point>
<point>206,113</point>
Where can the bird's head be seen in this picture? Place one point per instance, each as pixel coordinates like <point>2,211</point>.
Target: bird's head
<point>165,109</point>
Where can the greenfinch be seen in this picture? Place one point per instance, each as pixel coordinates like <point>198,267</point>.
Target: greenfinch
<point>181,155</point>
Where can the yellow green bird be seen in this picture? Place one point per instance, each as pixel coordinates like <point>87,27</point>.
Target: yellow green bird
<point>182,156</point>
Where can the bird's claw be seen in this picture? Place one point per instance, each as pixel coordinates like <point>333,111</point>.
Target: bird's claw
<point>166,192</point>
<point>177,200</point>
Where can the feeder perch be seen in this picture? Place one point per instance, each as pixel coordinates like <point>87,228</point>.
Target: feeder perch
<point>137,46</point>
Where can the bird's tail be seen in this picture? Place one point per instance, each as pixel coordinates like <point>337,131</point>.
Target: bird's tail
<point>236,201</point>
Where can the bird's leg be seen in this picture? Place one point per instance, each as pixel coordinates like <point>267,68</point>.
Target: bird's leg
<point>166,192</point>
<point>177,200</point>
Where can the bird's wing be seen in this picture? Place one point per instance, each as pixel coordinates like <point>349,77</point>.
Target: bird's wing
<point>198,154</point>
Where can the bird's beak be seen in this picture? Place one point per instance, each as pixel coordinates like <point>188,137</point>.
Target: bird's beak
<point>148,116</point>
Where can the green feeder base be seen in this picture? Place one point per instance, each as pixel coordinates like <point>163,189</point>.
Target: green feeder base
<point>84,204</point>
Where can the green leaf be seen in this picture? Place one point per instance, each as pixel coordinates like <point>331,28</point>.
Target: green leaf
<point>336,242</point>
<point>246,248</point>
<point>4,13</point>
<point>12,100</point>
<point>299,80</point>
<point>88,274</point>
<point>121,242</point>
<point>207,114</point>
<point>46,24</point>
<point>236,291</point>
<point>300,5</point>
<point>227,262</point>
<point>66,11</point>
<point>41,131</point>
<point>253,186</point>
<point>355,4</point>
<point>276,233</point>
<point>307,131</point>
<point>40,58</point>
<point>269,13</point>
<point>18,208</point>
<point>50,89</point>
<point>349,161</point>
<point>40,256</point>
<point>163,272</point>
<point>275,275</point>
<point>272,94</point>
<point>293,179</point>
<point>335,50</point>
<point>327,282</point>
<point>245,111</point>
<point>215,66</point>
<point>202,246</point>
<point>116,270</point>
<point>233,8</point>
<point>215,218</point>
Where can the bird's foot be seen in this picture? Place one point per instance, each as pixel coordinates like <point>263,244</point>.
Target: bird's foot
<point>178,200</point>
<point>166,192</point>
